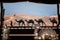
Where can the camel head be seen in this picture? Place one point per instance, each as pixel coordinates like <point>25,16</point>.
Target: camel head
<point>15,19</point>
<point>35,19</point>
<point>40,19</point>
<point>25,20</point>
<point>14,15</point>
<point>30,19</point>
<point>53,18</point>
<point>49,18</point>
<point>21,19</point>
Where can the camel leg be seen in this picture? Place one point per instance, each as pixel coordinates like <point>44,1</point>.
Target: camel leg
<point>28,24</point>
<point>42,24</point>
<point>35,25</point>
<point>45,24</point>
<point>24,25</point>
<point>39,24</point>
<point>19,24</point>
<point>56,24</point>
<point>32,24</point>
<point>53,24</point>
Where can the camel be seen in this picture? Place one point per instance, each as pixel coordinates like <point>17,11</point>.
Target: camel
<point>53,21</point>
<point>30,21</point>
<point>20,21</point>
<point>40,21</point>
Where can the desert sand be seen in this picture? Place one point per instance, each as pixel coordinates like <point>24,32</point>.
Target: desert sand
<point>12,18</point>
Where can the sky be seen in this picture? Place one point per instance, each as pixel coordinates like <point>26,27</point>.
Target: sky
<point>59,8</point>
<point>0,11</point>
<point>0,8</point>
<point>30,8</point>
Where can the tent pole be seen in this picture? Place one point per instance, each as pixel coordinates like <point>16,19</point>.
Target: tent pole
<point>5,29</point>
<point>58,14</point>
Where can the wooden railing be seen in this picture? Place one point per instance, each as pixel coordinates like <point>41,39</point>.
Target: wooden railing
<point>20,35</point>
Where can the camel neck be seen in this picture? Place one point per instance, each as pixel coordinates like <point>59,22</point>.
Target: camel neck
<point>35,20</point>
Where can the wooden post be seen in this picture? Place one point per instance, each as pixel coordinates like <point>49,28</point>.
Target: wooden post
<point>4,28</point>
<point>58,13</point>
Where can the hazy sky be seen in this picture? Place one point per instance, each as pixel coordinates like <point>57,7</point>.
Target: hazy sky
<point>30,8</point>
<point>0,8</point>
<point>59,8</point>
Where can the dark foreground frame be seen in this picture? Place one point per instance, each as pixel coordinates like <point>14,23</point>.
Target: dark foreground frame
<point>10,1</point>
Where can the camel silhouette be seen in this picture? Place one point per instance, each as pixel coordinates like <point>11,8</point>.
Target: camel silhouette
<point>40,21</point>
<point>53,21</point>
<point>20,21</point>
<point>30,21</point>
